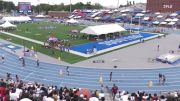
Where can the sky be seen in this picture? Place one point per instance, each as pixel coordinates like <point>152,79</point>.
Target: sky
<point>106,3</point>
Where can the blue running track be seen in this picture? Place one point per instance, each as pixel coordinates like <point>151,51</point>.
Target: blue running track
<point>130,80</point>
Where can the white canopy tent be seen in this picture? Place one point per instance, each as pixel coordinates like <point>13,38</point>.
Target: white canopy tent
<point>124,14</point>
<point>157,13</point>
<point>17,19</point>
<point>139,14</point>
<point>171,23</point>
<point>72,21</point>
<point>156,22</point>
<point>146,18</point>
<point>175,19</point>
<point>116,10</point>
<point>40,16</point>
<point>168,20</point>
<point>173,14</point>
<point>143,11</point>
<point>97,18</point>
<point>103,29</point>
<point>163,23</point>
<point>95,14</point>
<point>8,25</point>
<point>125,10</point>
<point>159,16</point>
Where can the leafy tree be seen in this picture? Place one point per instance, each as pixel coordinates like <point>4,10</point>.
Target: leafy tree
<point>133,2</point>
<point>7,6</point>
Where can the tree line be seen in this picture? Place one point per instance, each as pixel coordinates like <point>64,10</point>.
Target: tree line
<point>61,7</point>
<point>6,6</point>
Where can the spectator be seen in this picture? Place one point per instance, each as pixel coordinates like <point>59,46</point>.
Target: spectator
<point>155,98</point>
<point>8,76</point>
<point>23,62</point>
<point>3,58</point>
<point>149,97</point>
<point>158,47</point>
<point>163,79</point>
<point>160,78</point>
<point>170,97</point>
<point>110,76</point>
<point>67,70</point>
<point>162,98</point>
<point>13,95</point>
<point>114,91</point>
<point>93,98</point>
<point>37,62</point>
<point>17,78</point>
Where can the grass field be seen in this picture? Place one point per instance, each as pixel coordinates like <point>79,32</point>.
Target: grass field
<point>67,57</point>
<point>34,31</point>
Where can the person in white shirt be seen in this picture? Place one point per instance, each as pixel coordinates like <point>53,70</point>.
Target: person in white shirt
<point>18,92</point>
<point>13,95</point>
<point>124,97</point>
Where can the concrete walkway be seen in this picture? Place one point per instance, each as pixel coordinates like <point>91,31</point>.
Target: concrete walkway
<point>138,56</point>
<point>41,57</point>
<point>24,38</point>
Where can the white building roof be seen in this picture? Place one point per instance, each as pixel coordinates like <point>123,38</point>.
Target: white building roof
<point>146,18</point>
<point>159,16</point>
<point>17,18</point>
<point>7,25</point>
<point>102,29</point>
<point>175,19</point>
<point>163,23</point>
<point>72,21</point>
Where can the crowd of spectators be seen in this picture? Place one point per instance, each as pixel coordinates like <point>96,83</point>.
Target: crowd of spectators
<point>17,90</point>
<point>143,96</point>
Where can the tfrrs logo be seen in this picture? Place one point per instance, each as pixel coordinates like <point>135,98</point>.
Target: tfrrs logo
<point>167,6</point>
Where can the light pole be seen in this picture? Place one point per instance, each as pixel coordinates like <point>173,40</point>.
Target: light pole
<point>139,25</point>
<point>131,25</point>
<point>70,6</point>
<point>118,4</point>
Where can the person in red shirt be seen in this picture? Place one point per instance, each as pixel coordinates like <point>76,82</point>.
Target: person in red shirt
<point>155,98</point>
<point>114,91</point>
<point>2,91</point>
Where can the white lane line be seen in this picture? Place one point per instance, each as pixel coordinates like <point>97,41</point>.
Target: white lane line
<point>26,77</point>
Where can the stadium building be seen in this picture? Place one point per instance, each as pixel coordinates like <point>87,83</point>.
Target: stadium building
<point>163,5</point>
<point>24,7</point>
<point>58,14</point>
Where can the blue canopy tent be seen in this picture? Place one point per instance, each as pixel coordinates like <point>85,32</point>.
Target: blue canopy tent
<point>135,28</point>
<point>137,10</point>
<point>119,17</point>
<point>178,12</point>
<point>145,22</point>
<point>118,20</point>
<point>137,17</point>
<point>135,20</point>
<point>122,18</point>
<point>156,22</point>
<point>106,18</point>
